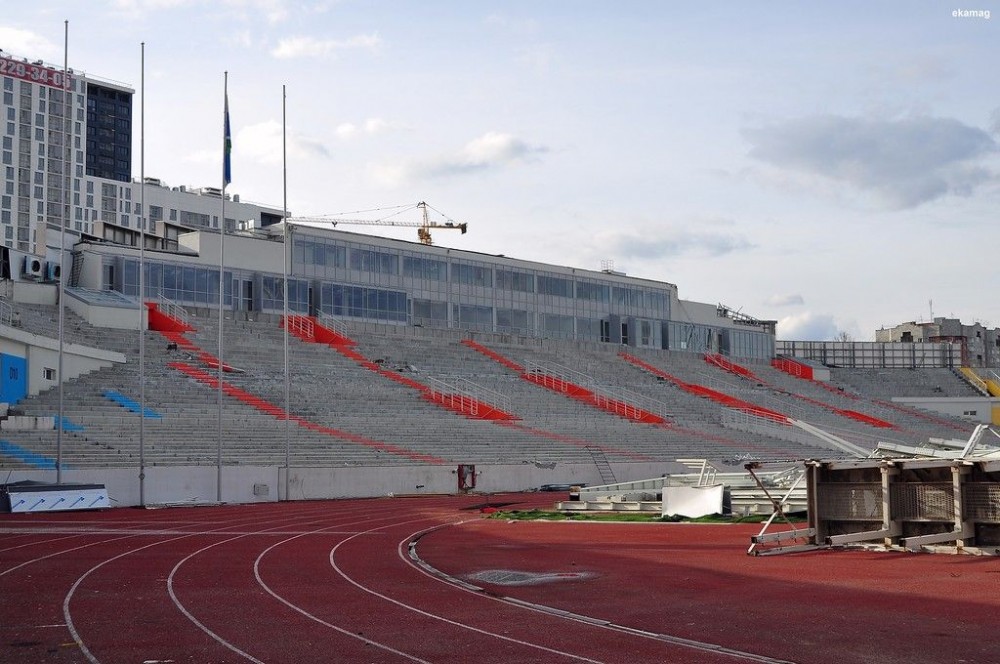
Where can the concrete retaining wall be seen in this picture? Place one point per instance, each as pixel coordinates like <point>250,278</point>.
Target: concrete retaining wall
<point>253,484</point>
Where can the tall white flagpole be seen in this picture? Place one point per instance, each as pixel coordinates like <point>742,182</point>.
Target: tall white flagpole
<point>63,220</point>
<point>226,176</point>
<point>143,216</point>
<point>286,274</point>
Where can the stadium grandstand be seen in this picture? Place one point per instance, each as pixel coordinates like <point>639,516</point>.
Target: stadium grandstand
<point>404,377</point>
<point>315,362</point>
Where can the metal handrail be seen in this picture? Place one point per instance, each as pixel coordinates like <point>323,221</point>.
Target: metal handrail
<point>174,310</point>
<point>6,313</point>
<point>606,396</point>
<point>467,395</point>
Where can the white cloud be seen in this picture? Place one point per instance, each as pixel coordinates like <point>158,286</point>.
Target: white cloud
<point>519,26</point>
<point>262,142</point>
<point>904,163</point>
<point>204,157</point>
<point>491,151</point>
<point>303,46</point>
<point>241,38</point>
<point>274,11</point>
<point>135,9</point>
<point>787,300</point>
<point>25,43</point>
<point>346,130</point>
<point>371,126</point>
<point>808,326</point>
<point>650,244</point>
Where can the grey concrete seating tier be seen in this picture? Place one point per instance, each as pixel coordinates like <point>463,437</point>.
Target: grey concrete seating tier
<point>335,392</point>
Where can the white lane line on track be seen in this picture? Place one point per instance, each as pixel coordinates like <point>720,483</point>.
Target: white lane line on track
<point>190,616</point>
<point>414,560</point>
<point>219,639</point>
<point>298,609</point>
<point>449,621</point>
<point>119,531</point>
<point>61,552</point>
<point>36,542</point>
<point>66,612</point>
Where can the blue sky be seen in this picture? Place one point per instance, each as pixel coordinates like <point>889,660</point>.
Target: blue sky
<point>833,166</point>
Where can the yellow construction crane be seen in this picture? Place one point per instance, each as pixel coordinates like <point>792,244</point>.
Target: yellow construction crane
<point>423,226</point>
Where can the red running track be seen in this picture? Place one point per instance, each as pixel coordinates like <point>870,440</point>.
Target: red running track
<point>428,579</point>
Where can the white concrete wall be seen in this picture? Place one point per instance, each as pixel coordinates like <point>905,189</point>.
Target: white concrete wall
<point>956,406</point>
<point>121,318</point>
<point>43,352</point>
<point>198,484</point>
<point>242,252</point>
<point>34,292</point>
<point>91,276</point>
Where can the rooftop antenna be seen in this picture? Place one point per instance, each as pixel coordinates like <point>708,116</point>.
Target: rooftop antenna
<point>930,304</point>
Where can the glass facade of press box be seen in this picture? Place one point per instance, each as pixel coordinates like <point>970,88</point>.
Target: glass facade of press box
<point>365,281</point>
<point>691,337</point>
<point>408,286</point>
<point>272,296</point>
<point>185,284</point>
<point>747,343</point>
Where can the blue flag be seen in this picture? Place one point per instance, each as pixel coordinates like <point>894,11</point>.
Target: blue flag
<point>227,168</point>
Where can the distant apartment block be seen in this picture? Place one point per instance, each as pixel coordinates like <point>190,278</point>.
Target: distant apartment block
<point>980,346</point>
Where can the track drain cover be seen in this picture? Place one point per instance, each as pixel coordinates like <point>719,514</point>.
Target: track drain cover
<point>507,577</point>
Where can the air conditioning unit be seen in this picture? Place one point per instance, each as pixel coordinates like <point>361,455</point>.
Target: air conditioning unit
<point>32,267</point>
<point>53,271</point>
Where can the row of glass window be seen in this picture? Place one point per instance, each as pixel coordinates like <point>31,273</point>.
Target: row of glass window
<point>200,286</point>
<point>311,254</point>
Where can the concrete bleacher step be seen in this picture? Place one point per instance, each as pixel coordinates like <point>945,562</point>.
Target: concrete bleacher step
<point>333,391</point>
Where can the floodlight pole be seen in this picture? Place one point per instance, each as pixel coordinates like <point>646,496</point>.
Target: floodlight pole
<point>142,281</point>
<point>63,221</point>
<point>286,237</point>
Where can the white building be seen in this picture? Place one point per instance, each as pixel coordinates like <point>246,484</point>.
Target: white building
<point>68,184</point>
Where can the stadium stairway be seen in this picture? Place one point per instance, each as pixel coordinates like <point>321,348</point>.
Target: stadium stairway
<point>557,381</point>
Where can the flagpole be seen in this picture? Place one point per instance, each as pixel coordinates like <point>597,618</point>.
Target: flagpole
<point>226,146</point>
<point>143,215</point>
<point>64,219</point>
<point>285,276</point>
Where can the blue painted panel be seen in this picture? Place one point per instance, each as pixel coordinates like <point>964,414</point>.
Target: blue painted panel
<point>13,378</point>
<point>131,405</point>
<point>27,456</point>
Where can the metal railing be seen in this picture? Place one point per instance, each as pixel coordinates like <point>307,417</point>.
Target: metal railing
<point>331,323</point>
<point>6,313</point>
<point>466,395</point>
<point>174,310</point>
<point>302,326</point>
<point>621,400</point>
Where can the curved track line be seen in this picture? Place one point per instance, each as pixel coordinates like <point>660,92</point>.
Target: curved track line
<point>449,621</point>
<point>190,616</point>
<point>66,612</point>
<point>298,609</point>
<point>59,553</point>
<point>36,543</point>
<point>424,567</point>
<point>225,643</point>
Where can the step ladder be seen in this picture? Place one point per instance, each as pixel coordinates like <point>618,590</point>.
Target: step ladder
<point>603,467</point>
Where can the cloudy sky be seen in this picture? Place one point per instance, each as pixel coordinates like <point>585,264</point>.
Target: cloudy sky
<point>834,166</point>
